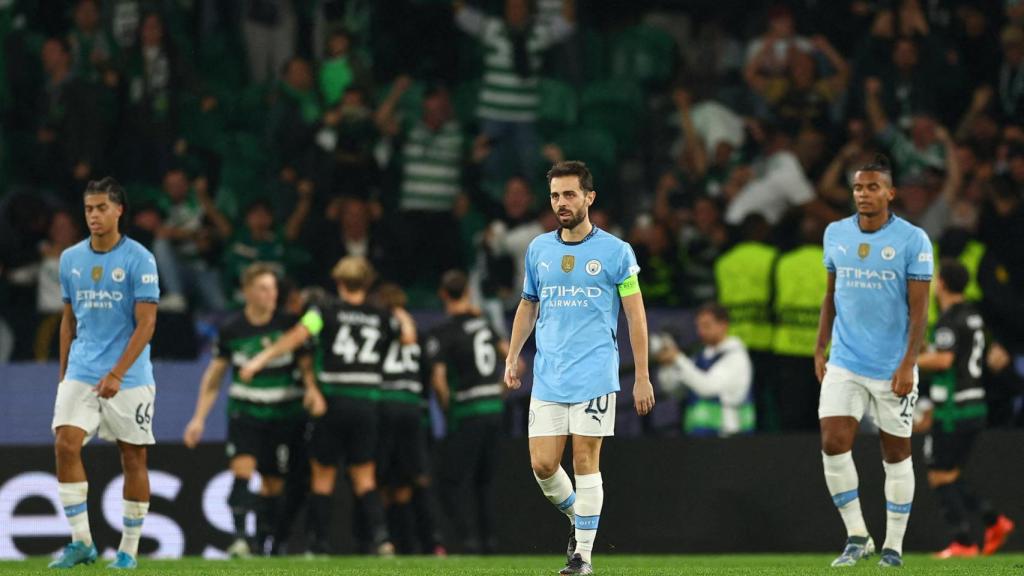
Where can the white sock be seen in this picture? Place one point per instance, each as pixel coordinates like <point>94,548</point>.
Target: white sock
<point>73,496</point>
<point>899,494</point>
<point>134,513</point>
<point>842,480</point>
<point>558,490</point>
<point>589,499</point>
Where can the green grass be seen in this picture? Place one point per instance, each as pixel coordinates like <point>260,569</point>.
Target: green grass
<point>606,565</point>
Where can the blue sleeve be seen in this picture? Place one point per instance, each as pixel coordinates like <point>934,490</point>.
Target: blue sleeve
<point>145,280</point>
<point>530,291</point>
<point>827,250</point>
<point>627,265</point>
<point>920,261</point>
<point>65,278</point>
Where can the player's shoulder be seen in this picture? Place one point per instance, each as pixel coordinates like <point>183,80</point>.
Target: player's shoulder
<point>232,323</point>
<point>543,240</point>
<point>282,319</point>
<point>907,230</point>
<point>608,239</point>
<point>78,250</point>
<point>138,251</point>
<point>842,225</point>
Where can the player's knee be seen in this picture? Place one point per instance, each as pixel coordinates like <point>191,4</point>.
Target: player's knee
<point>835,444</point>
<point>542,467</point>
<point>133,458</point>
<point>67,448</point>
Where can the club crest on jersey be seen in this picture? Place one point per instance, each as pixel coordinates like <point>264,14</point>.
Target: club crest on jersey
<point>118,274</point>
<point>593,267</point>
<point>97,273</point>
<point>568,263</point>
<point>888,253</point>
<point>863,250</point>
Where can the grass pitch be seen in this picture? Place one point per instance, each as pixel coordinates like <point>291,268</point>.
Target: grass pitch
<point>606,565</point>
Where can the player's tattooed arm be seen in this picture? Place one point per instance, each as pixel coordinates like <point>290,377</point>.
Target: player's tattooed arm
<point>522,326</point>
<point>313,400</point>
<point>208,388</point>
<point>917,295</point>
<point>145,325</point>
<point>636,319</point>
<point>68,331</point>
<point>825,320</point>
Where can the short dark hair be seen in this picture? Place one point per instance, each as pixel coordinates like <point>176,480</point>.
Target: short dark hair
<point>573,168</point>
<point>880,163</point>
<point>112,188</point>
<point>716,310</point>
<point>954,275</point>
<point>454,284</point>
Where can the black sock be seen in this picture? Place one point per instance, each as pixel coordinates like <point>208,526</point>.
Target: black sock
<point>295,494</point>
<point>373,511</point>
<point>320,525</point>
<point>955,512</point>
<point>240,501</point>
<point>402,527</point>
<point>266,521</point>
<point>977,504</point>
<point>425,507</point>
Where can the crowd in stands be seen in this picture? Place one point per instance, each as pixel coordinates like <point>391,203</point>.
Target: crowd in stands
<point>722,137</point>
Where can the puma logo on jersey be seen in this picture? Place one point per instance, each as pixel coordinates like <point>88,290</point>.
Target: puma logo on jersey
<point>76,272</point>
<point>841,248</point>
<point>545,265</point>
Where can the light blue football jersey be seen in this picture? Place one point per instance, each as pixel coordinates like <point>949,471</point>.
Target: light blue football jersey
<point>869,336</point>
<point>103,288</point>
<point>576,286</point>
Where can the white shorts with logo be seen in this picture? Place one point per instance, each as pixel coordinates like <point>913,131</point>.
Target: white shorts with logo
<point>845,393</point>
<point>591,418</point>
<point>127,417</point>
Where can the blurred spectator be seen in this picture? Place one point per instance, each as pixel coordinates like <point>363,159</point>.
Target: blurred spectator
<point>296,117</point>
<point>774,184</point>
<point>93,49</point>
<point>504,241</point>
<point>658,257</point>
<point>1011,75</point>
<point>770,52</point>
<point>350,233</point>
<point>714,387</point>
<point>349,146</point>
<point>156,78</point>
<point>931,201</point>
<point>269,31</point>
<point>800,97</point>
<point>509,97</point>
<point>702,241</point>
<point>911,154</point>
<point>340,67</point>
<point>261,239</point>
<point>184,241</point>
<point>64,233</point>
<point>430,163</point>
<point>69,133</point>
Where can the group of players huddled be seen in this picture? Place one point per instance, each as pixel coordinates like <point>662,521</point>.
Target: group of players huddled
<point>344,385</point>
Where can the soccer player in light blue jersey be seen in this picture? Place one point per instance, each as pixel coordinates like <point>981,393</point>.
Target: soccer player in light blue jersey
<point>575,279</point>
<point>110,288</point>
<point>874,313</point>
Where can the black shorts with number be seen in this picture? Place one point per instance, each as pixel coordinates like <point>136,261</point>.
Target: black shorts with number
<point>402,451</point>
<point>346,434</point>
<point>949,450</point>
<point>277,445</point>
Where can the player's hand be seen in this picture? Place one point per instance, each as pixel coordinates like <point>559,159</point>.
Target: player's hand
<point>819,365</point>
<point>193,432</point>
<point>512,373</point>
<point>250,369</point>
<point>314,403</point>
<point>643,395</point>
<point>109,386</point>
<point>903,380</point>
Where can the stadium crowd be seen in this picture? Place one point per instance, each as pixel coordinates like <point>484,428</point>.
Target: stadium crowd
<point>417,134</point>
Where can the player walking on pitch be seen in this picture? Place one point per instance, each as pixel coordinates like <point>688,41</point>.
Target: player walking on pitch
<point>575,278</point>
<point>110,288</point>
<point>874,313</point>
